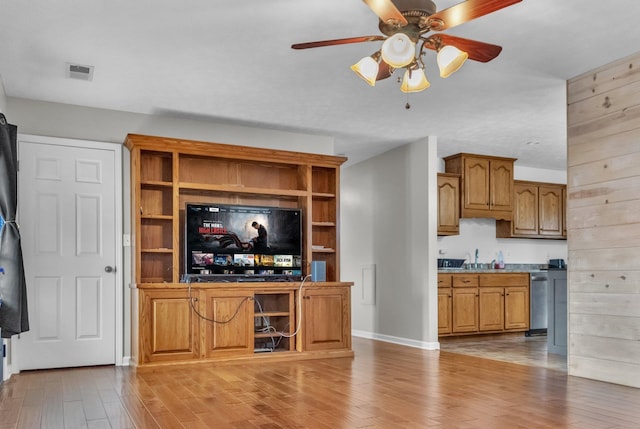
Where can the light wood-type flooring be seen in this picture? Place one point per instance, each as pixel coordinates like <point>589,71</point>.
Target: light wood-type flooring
<point>515,348</point>
<point>385,386</point>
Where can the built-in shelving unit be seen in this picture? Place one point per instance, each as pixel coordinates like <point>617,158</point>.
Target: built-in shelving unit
<point>176,321</point>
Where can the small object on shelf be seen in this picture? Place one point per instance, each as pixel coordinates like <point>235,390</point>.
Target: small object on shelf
<point>317,247</point>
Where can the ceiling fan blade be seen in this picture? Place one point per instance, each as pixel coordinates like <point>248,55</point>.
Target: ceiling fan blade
<point>466,11</point>
<point>386,11</point>
<point>384,70</point>
<point>346,41</point>
<point>478,51</point>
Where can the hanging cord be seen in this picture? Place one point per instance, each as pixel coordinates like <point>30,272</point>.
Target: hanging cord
<point>281,334</point>
<point>222,322</point>
<point>299,309</point>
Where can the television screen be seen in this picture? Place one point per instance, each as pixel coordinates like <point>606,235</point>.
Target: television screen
<point>243,240</point>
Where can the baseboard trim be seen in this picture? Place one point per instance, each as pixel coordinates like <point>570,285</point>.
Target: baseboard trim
<point>425,345</point>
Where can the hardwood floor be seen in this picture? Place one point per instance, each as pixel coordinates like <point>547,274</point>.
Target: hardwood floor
<point>531,351</point>
<point>384,386</point>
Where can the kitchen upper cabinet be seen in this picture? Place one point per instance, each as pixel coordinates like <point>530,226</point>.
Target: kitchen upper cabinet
<point>448,204</point>
<point>551,210</point>
<point>538,211</point>
<point>486,185</point>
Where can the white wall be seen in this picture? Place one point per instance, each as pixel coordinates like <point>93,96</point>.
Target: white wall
<point>3,98</point>
<point>388,204</point>
<point>481,233</point>
<point>64,120</point>
<point>389,221</point>
<point>61,120</point>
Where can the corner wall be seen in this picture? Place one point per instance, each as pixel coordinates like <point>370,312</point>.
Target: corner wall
<point>603,190</point>
<point>388,244</point>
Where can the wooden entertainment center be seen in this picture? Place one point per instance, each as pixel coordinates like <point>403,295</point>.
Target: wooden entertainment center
<point>178,320</point>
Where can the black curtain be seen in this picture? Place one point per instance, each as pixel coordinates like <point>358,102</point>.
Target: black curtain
<point>13,311</point>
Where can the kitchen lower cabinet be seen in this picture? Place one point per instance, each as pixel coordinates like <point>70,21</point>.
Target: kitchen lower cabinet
<point>491,308</point>
<point>465,310</point>
<point>516,308</point>
<point>445,306</point>
<point>483,303</point>
<point>465,303</point>
<point>557,314</point>
<point>503,308</point>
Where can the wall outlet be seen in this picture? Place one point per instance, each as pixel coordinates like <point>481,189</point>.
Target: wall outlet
<point>126,240</point>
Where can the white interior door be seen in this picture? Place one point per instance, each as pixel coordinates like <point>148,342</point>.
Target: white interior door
<point>69,223</point>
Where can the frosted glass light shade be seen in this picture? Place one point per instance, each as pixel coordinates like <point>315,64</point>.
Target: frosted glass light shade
<point>367,69</point>
<point>450,59</point>
<point>414,81</point>
<point>398,50</point>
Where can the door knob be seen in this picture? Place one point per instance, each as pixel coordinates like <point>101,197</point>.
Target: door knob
<point>110,269</point>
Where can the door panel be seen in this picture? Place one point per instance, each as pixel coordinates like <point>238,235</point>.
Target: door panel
<point>69,221</point>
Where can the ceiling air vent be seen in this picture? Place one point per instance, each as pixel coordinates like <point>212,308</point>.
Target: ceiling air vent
<point>77,71</point>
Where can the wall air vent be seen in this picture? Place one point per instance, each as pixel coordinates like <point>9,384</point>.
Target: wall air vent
<point>77,71</point>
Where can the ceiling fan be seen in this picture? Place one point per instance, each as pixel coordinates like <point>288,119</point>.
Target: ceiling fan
<point>405,24</point>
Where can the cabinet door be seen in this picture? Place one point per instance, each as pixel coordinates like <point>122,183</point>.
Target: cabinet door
<point>550,211</point>
<point>476,183</point>
<point>448,205</point>
<point>169,329</point>
<point>525,209</point>
<point>516,307</point>
<point>326,319</point>
<point>465,310</point>
<point>491,308</point>
<point>229,324</point>
<point>564,211</point>
<point>501,182</point>
<point>444,310</point>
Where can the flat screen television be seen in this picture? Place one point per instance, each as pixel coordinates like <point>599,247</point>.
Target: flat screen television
<point>239,240</point>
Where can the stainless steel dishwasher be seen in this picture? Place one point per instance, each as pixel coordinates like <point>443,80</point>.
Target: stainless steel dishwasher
<point>538,304</point>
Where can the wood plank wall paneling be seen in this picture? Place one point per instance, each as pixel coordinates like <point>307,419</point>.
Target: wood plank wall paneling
<point>603,218</point>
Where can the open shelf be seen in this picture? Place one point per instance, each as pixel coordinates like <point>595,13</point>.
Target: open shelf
<point>274,314</point>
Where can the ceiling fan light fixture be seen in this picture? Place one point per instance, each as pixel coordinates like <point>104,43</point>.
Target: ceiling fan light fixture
<point>398,50</point>
<point>414,81</point>
<point>450,59</point>
<point>367,70</point>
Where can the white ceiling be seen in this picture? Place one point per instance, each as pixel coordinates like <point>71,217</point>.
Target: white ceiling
<point>231,61</point>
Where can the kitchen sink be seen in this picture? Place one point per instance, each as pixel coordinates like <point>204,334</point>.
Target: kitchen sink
<point>450,263</point>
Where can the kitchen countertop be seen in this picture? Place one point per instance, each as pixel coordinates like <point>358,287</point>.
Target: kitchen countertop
<point>509,268</point>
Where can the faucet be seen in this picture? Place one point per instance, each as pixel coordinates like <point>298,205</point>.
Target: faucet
<point>476,257</point>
